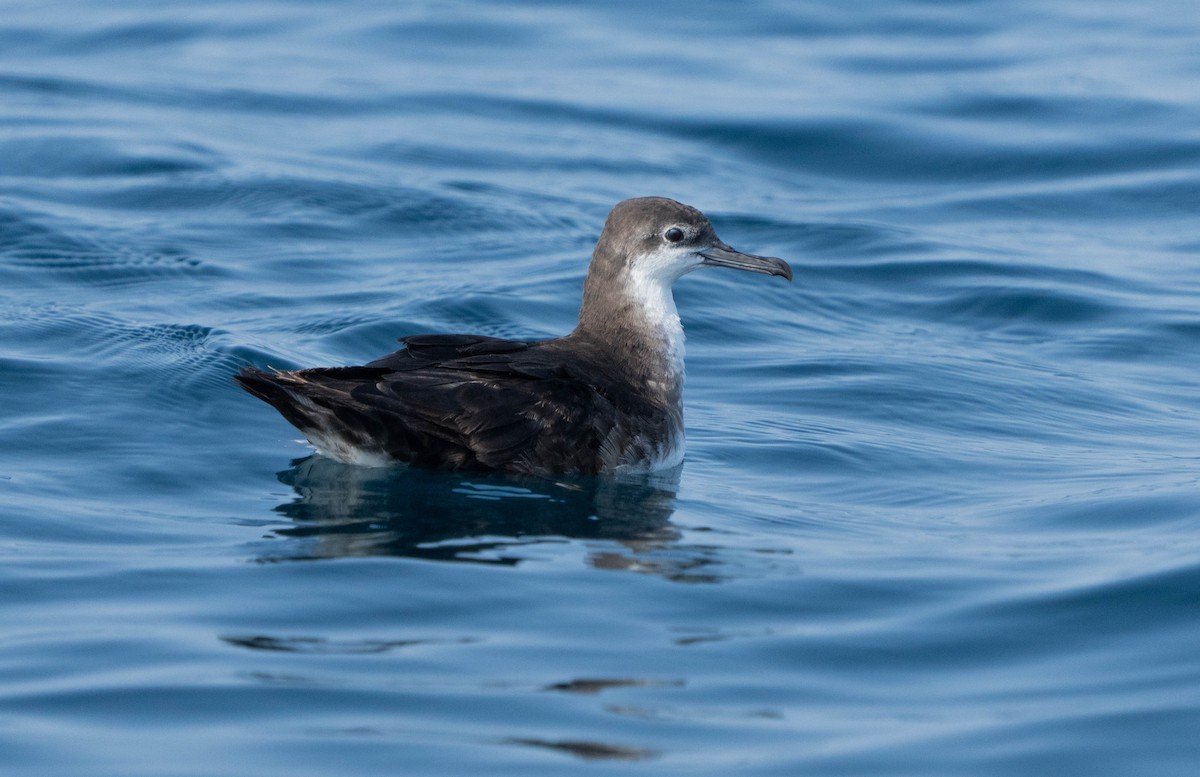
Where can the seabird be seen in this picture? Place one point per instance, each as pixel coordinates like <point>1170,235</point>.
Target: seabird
<point>606,398</point>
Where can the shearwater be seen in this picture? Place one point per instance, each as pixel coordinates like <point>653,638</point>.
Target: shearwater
<point>606,398</point>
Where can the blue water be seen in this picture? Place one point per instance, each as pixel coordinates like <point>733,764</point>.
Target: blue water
<point>940,513</point>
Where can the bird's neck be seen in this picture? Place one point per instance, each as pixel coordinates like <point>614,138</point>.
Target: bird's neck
<point>636,321</point>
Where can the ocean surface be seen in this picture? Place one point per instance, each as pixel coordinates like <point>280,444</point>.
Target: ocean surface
<point>940,512</point>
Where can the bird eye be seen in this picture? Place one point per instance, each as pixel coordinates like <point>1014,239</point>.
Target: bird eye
<point>673,235</point>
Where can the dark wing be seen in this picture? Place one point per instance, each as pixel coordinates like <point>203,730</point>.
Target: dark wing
<point>451,401</point>
<point>426,350</point>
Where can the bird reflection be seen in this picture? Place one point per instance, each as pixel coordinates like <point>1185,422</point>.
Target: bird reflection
<point>487,518</point>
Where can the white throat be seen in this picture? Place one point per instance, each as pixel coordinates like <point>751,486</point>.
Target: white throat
<point>650,280</point>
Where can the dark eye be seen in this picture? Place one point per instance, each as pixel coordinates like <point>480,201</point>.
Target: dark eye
<point>673,235</point>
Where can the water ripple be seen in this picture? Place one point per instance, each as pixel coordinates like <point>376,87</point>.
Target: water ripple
<point>938,513</point>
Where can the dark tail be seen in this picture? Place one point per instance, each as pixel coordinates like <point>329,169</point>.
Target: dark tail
<point>277,389</point>
<point>263,385</point>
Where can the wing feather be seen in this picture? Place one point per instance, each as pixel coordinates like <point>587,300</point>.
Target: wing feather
<point>456,401</point>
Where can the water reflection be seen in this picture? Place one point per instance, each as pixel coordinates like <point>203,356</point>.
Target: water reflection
<point>486,518</point>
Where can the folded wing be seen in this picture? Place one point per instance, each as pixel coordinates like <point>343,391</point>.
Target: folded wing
<point>450,401</point>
